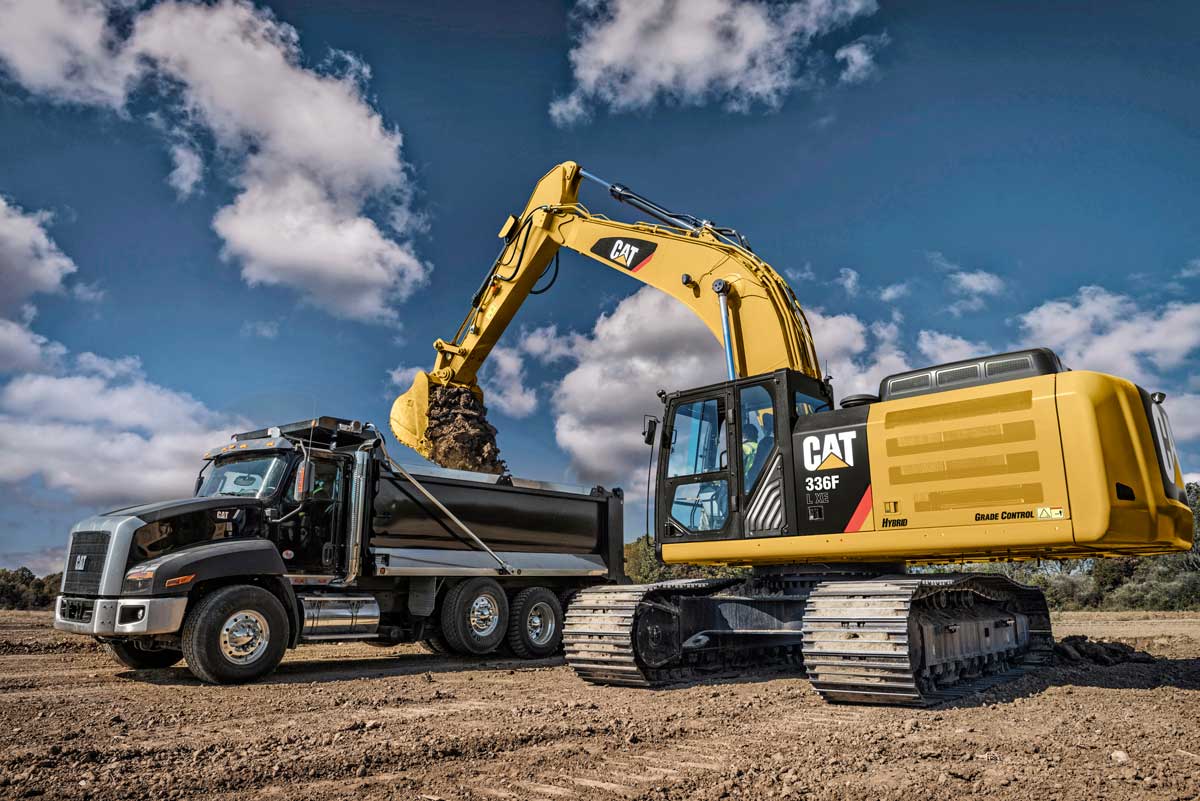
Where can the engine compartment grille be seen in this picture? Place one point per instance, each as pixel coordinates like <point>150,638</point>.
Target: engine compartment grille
<point>85,562</point>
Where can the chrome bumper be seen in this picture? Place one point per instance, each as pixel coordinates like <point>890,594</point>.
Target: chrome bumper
<point>121,617</point>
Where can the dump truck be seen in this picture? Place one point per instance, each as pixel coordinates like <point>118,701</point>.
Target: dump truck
<point>310,533</point>
<point>833,511</point>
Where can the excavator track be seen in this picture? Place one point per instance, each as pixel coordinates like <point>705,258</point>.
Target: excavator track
<point>900,640</point>
<point>864,639</point>
<point>601,635</point>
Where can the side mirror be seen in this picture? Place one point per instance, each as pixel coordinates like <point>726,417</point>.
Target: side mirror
<point>304,480</point>
<point>650,430</point>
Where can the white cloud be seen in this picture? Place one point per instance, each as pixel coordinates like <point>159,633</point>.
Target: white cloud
<point>188,170</point>
<point>265,329</point>
<point>312,153</point>
<point>402,376</point>
<point>30,261</point>
<point>1111,333</point>
<point>856,354</point>
<point>108,369</point>
<point>939,348</point>
<point>893,292</point>
<point>22,350</point>
<point>65,49</point>
<point>972,286</point>
<point>858,58</point>
<point>1191,269</point>
<point>848,280</point>
<point>1191,478</point>
<point>632,54</point>
<point>976,282</point>
<point>88,293</point>
<point>503,383</point>
<point>547,345</point>
<point>142,441</point>
<point>805,273</point>
<point>648,342</point>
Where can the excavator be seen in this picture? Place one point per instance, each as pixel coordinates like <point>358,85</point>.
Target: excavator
<point>837,512</point>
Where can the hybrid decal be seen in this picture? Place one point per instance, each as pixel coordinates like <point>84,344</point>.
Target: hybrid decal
<point>632,254</point>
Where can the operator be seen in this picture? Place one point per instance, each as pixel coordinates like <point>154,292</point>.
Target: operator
<point>749,447</point>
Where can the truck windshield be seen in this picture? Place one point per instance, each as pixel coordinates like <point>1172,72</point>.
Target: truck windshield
<point>257,477</point>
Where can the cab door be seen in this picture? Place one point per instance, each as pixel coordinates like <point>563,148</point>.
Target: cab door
<point>698,494</point>
<point>311,541</point>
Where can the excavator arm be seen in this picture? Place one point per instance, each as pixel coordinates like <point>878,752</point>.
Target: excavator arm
<point>746,305</point>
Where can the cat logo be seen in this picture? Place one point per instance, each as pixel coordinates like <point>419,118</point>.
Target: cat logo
<point>831,452</point>
<point>632,254</point>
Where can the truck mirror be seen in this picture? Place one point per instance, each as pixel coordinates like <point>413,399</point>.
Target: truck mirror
<point>651,430</point>
<point>304,480</point>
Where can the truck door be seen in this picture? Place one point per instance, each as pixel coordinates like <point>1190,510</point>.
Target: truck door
<point>313,537</point>
<point>698,490</point>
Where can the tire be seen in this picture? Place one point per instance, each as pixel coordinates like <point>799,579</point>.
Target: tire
<point>129,655</point>
<point>474,616</point>
<point>235,635</point>
<point>535,624</point>
<point>435,644</point>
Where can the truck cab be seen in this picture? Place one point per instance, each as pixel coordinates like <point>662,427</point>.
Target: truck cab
<point>308,532</point>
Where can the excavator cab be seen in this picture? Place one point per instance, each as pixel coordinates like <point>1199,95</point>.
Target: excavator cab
<point>725,457</point>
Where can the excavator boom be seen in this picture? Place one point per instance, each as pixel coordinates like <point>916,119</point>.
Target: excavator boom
<point>745,303</point>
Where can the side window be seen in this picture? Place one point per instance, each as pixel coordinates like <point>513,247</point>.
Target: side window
<point>698,439</point>
<point>807,404</point>
<point>758,432</point>
<point>326,482</point>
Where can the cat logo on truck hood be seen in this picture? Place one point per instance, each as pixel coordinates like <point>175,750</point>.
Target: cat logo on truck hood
<point>829,452</point>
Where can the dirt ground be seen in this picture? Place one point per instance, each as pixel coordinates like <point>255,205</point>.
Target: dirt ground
<point>357,722</point>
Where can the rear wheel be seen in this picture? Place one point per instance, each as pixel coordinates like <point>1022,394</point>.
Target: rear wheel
<point>235,635</point>
<point>474,616</point>
<point>131,656</point>
<point>535,623</point>
<point>435,644</point>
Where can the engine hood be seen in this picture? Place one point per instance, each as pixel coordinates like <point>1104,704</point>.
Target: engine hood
<point>153,512</point>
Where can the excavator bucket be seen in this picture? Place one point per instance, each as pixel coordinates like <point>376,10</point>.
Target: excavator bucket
<point>410,416</point>
<point>447,424</point>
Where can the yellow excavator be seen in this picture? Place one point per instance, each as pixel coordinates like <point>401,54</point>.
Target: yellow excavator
<point>1003,457</point>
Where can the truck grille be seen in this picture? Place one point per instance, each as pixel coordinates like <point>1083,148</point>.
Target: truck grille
<point>85,562</point>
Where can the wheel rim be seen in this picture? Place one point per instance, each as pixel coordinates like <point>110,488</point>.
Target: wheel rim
<point>484,615</point>
<point>540,624</point>
<point>244,637</point>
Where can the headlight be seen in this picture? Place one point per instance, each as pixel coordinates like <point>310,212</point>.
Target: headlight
<point>139,579</point>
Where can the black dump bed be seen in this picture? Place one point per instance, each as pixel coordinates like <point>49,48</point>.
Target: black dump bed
<point>512,516</point>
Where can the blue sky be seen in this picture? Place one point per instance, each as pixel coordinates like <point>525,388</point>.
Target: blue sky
<point>236,213</point>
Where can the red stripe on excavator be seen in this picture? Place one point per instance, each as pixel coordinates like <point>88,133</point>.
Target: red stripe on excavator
<point>643,263</point>
<point>860,512</point>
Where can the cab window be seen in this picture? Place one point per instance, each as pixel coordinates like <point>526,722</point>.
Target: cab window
<point>758,433</point>
<point>698,439</point>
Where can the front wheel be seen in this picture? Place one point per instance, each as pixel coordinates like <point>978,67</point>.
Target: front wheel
<point>131,656</point>
<point>474,616</point>
<point>235,635</point>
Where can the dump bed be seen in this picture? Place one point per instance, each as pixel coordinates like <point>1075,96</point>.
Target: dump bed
<point>537,527</point>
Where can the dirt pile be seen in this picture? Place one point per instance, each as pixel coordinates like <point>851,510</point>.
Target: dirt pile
<point>1078,648</point>
<point>462,437</point>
